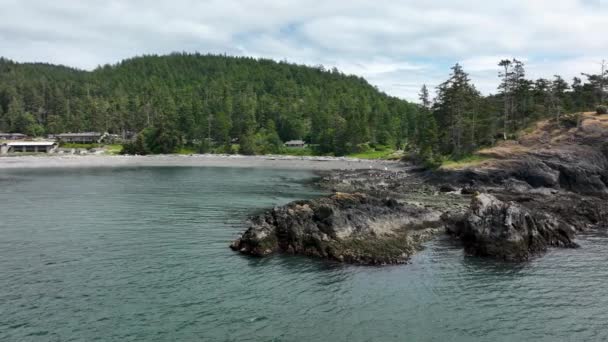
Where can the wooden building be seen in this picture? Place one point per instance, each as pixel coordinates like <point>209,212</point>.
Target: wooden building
<point>80,138</point>
<point>12,136</point>
<point>295,144</point>
<point>28,147</point>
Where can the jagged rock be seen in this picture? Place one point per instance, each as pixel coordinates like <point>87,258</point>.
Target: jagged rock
<point>508,230</point>
<point>447,188</point>
<point>469,190</point>
<point>536,173</point>
<point>551,156</point>
<point>516,186</point>
<point>531,194</point>
<point>353,228</point>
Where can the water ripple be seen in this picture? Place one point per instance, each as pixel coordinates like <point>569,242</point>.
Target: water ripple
<point>140,254</point>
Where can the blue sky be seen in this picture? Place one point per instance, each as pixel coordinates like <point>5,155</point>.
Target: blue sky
<point>396,45</point>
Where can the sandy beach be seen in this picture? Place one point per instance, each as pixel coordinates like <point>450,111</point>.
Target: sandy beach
<point>201,160</point>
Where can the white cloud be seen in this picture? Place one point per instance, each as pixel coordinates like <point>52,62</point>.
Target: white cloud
<point>397,45</point>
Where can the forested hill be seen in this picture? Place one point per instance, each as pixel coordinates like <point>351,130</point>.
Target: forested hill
<point>207,101</point>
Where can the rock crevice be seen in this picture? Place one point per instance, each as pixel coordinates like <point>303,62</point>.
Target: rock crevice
<point>355,228</point>
<point>508,230</point>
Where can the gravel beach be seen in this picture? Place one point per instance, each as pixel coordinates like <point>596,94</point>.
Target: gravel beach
<point>199,160</point>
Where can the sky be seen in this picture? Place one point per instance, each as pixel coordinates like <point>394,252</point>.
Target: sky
<point>397,45</point>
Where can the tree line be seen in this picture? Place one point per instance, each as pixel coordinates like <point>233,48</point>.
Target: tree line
<point>460,120</point>
<point>207,102</point>
<point>215,102</point>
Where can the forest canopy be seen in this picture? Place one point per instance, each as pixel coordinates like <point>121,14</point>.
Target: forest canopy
<point>214,102</point>
<point>204,100</point>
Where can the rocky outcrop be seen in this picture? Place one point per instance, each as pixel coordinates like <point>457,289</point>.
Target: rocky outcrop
<point>553,155</point>
<point>529,195</point>
<point>580,169</point>
<point>509,230</point>
<point>353,228</point>
<point>512,222</point>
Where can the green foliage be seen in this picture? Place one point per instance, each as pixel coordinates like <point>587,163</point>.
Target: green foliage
<point>382,153</point>
<point>297,151</point>
<point>109,148</point>
<point>464,161</point>
<point>138,146</point>
<point>75,145</point>
<point>154,140</point>
<point>186,150</point>
<point>466,121</point>
<point>457,113</point>
<point>208,103</point>
<point>247,144</point>
<point>571,120</point>
<point>427,137</point>
<point>113,149</point>
<point>267,141</point>
<point>26,123</point>
<point>205,101</point>
<point>600,110</point>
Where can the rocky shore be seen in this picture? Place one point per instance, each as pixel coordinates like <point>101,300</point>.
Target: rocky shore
<point>354,228</point>
<point>529,195</point>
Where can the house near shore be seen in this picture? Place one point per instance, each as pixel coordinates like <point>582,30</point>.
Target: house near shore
<point>28,147</point>
<point>295,144</point>
<point>80,138</point>
<point>12,136</point>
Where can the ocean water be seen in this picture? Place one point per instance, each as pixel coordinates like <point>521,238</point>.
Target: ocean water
<point>141,254</point>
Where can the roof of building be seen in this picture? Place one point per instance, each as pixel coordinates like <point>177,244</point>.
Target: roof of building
<point>83,134</point>
<point>13,134</point>
<point>31,143</point>
<point>295,142</point>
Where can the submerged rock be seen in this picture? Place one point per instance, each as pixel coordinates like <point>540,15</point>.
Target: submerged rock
<point>353,228</point>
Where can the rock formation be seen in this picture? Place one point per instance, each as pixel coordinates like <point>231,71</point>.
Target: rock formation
<point>509,230</point>
<point>529,195</point>
<point>353,228</point>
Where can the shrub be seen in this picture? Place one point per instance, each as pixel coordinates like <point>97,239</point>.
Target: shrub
<point>153,140</point>
<point>570,120</point>
<point>601,110</point>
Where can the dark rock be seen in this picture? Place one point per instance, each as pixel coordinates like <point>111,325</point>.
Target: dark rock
<point>453,221</point>
<point>447,188</point>
<point>470,190</point>
<point>517,186</point>
<point>535,173</point>
<point>508,230</point>
<point>532,195</point>
<point>353,228</point>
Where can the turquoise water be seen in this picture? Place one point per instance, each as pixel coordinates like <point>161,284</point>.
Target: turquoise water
<point>141,255</point>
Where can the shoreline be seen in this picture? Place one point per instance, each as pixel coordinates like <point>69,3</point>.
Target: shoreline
<point>196,160</point>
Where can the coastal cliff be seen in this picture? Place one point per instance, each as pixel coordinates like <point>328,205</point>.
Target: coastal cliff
<point>524,197</point>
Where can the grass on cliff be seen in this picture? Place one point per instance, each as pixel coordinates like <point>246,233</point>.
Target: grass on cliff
<point>187,150</point>
<point>299,152</point>
<point>113,149</point>
<point>372,154</point>
<point>369,153</point>
<point>77,145</point>
<point>376,152</point>
<point>536,135</point>
<point>463,162</point>
<point>109,148</point>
